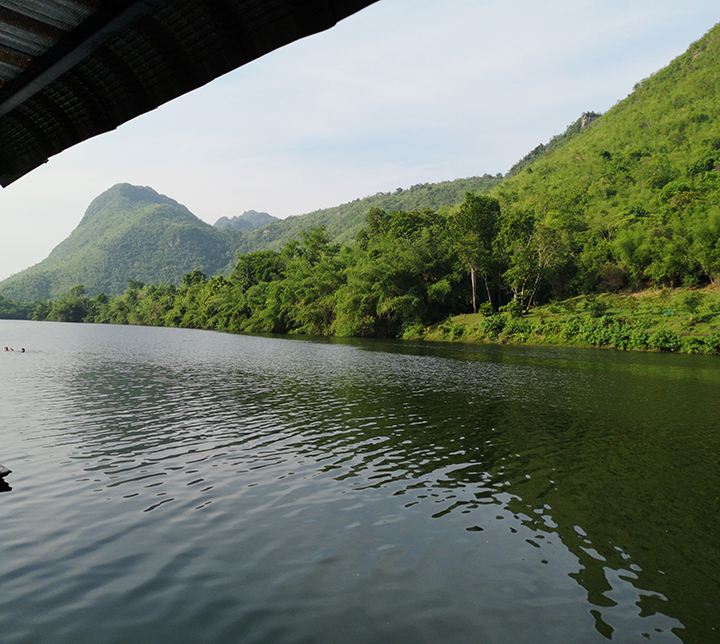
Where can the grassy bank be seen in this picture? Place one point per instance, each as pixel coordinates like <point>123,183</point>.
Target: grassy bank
<point>678,320</point>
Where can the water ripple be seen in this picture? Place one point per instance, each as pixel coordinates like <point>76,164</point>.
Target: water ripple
<point>195,487</point>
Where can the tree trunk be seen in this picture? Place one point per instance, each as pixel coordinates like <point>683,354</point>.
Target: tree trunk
<point>473,279</point>
<point>487,288</point>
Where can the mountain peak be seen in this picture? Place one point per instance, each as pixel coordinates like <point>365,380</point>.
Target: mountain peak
<point>128,232</point>
<point>129,195</point>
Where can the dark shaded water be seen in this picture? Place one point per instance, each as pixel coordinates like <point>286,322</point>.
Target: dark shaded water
<point>184,486</point>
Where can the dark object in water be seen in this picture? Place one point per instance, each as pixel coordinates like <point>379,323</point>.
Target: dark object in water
<point>4,471</point>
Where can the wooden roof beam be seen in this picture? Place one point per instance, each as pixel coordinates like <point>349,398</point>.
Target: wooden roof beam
<point>31,25</point>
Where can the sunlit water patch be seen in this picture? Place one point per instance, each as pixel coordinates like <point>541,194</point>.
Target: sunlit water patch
<point>185,486</point>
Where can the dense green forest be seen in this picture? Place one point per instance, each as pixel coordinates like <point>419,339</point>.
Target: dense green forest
<point>401,273</point>
<point>634,199</point>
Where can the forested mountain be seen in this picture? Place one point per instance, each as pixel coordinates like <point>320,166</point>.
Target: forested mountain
<point>343,222</point>
<point>128,232</point>
<point>134,233</point>
<point>249,220</point>
<point>557,141</point>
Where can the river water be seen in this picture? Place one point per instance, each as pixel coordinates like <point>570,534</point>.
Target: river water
<point>183,486</point>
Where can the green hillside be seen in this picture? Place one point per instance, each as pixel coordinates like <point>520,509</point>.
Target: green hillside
<point>128,232</point>
<point>633,199</point>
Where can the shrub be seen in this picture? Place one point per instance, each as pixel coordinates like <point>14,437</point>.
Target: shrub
<point>693,344</point>
<point>516,330</point>
<point>485,309</point>
<point>493,326</point>
<point>712,342</point>
<point>513,308</point>
<point>664,340</point>
<point>597,308</point>
<point>602,331</point>
<point>413,332</point>
<point>571,328</point>
<point>638,339</point>
<point>450,329</point>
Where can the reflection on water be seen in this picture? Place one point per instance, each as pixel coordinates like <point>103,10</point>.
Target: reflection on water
<point>197,487</point>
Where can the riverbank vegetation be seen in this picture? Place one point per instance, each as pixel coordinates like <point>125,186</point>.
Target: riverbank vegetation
<point>676,320</point>
<point>10,310</point>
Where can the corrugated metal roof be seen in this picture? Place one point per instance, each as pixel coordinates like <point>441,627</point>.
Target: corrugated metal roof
<point>72,69</point>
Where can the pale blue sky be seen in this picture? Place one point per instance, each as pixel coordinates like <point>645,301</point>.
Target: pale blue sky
<point>404,92</point>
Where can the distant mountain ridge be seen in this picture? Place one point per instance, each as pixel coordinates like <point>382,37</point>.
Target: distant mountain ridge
<point>249,220</point>
<point>343,222</point>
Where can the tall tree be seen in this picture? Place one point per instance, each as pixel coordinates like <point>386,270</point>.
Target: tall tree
<point>531,250</point>
<point>474,228</point>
